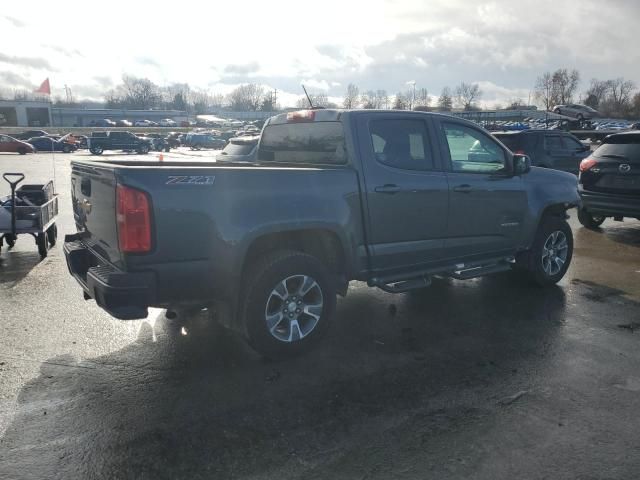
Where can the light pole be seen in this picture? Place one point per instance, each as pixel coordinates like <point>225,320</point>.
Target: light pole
<point>413,96</point>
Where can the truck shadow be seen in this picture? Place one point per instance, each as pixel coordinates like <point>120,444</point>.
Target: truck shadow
<point>190,400</point>
<point>16,265</point>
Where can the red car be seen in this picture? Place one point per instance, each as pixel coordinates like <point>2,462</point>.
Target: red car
<point>10,144</point>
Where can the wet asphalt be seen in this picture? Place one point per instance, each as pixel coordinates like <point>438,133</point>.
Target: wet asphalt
<point>488,378</point>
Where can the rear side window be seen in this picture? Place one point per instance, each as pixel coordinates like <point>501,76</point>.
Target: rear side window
<point>512,142</point>
<point>313,142</point>
<point>401,144</point>
<point>553,142</point>
<point>624,147</point>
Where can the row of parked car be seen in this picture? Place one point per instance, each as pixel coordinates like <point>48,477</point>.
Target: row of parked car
<point>165,122</point>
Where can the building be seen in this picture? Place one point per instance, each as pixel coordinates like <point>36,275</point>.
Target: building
<point>25,113</point>
<point>86,117</point>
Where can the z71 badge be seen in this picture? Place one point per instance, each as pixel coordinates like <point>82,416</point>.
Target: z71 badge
<point>190,180</point>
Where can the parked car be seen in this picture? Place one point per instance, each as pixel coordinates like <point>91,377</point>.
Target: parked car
<point>576,110</point>
<point>123,123</point>
<point>127,141</point>
<point>158,141</point>
<point>197,141</point>
<point>240,149</point>
<point>13,145</point>
<point>609,181</point>
<point>30,134</point>
<point>167,122</point>
<point>390,198</point>
<point>145,123</point>
<point>47,144</point>
<point>105,122</point>
<point>547,148</point>
<point>174,139</point>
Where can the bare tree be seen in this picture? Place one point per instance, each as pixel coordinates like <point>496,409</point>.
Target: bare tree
<point>445,101</point>
<point>140,93</point>
<point>467,94</point>
<point>317,99</point>
<point>401,101</point>
<point>565,84</point>
<point>543,90</point>
<point>247,97</point>
<point>351,99</point>
<point>620,91</point>
<point>382,99</point>
<point>597,92</point>
<point>422,98</point>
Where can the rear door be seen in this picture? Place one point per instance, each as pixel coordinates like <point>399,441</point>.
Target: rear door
<point>405,188</point>
<point>5,144</point>
<point>556,155</point>
<point>486,203</point>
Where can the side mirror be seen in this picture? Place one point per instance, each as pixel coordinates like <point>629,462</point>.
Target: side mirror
<point>521,164</point>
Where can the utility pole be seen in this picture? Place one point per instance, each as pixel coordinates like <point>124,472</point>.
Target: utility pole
<point>274,99</point>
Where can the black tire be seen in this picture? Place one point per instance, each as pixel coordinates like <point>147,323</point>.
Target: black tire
<point>52,235</point>
<point>532,261</point>
<point>590,221</point>
<point>196,147</point>
<point>66,149</point>
<point>143,149</point>
<point>43,244</point>
<point>580,117</point>
<point>22,151</point>
<point>259,285</point>
<point>10,239</point>
<point>96,150</point>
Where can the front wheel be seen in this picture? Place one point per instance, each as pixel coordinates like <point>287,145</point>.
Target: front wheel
<point>143,149</point>
<point>66,149</point>
<point>96,150</point>
<point>22,151</point>
<point>52,235</point>
<point>287,304</point>
<point>588,220</point>
<point>550,255</point>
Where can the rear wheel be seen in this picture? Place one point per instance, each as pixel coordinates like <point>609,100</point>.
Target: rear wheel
<point>52,235</point>
<point>96,150</point>
<point>22,151</point>
<point>588,220</point>
<point>143,149</point>
<point>550,255</point>
<point>287,303</point>
<point>66,149</point>
<point>43,244</point>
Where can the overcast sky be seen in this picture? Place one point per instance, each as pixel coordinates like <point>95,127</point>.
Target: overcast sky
<point>325,44</point>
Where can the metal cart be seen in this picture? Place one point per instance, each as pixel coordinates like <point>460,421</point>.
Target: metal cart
<point>31,209</point>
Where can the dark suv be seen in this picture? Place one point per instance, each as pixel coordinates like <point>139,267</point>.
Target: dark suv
<point>547,148</point>
<point>610,180</point>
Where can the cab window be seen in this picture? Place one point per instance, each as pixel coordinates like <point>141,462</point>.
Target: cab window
<point>472,151</point>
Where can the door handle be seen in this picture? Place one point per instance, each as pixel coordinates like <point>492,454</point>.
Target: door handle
<point>463,188</point>
<point>388,188</point>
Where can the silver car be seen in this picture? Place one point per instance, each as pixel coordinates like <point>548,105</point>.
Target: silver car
<point>577,111</point>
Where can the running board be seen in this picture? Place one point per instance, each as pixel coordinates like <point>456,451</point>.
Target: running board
<point>401,286</point>
<point>480,271</point>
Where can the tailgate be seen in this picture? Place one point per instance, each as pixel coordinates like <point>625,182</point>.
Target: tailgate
<point>93,195</point>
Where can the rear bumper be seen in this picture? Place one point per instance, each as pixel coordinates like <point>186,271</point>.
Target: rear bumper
<point>610,205</point>
<point>124,295</point>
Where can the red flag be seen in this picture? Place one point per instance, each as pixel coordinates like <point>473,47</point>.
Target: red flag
<point>44,88</point>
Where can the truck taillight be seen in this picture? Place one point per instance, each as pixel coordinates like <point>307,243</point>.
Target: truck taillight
<point>301,116</point>
<point>587,163</point>
<point>134,220</point>
<point>519,152</point>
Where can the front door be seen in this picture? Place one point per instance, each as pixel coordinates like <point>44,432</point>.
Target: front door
<point>486,203</point>
<point>405,189</point>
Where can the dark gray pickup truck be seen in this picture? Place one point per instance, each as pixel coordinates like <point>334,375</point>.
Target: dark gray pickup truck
<point>387,197</point>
